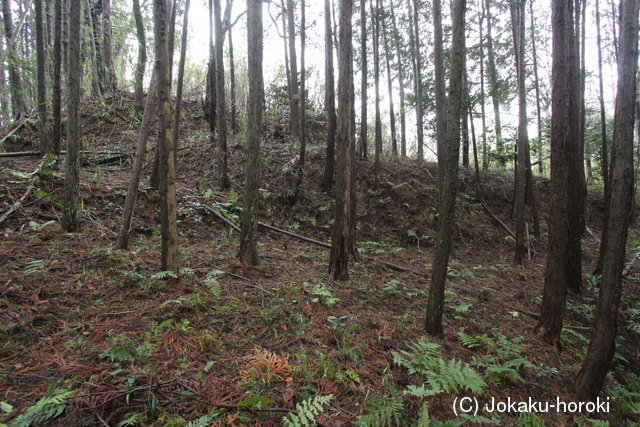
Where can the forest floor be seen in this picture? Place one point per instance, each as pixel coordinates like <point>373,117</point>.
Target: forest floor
<point>90,335</point>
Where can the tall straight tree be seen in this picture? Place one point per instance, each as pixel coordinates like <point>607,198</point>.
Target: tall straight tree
<point>441,97</point>
<point>43,119</point>
<point>363,148</point>
<point>417,75</point>
<point>303,95</point>
<point>295,99</point>
<point>71,200</point>
<point>329,101</point>
<point>18,101</point>
<point>56,96</point>
<point>142,57</point>
<point>249,235</point>
<point>232,76</point>
<point>447,203</point>
<point>485,153</point>
<point>517,25</point>
<point>179,84</point>
<point>375,26</point>
<point>493,79</point>
<point>603,341</point>
<point>343,242</point>
<point>403,121</point>
<point>534,53</point>
<point>603,116</point>
<point>169,215</point>
<point>564,133</point>
<point>223,175</point>
<point>392,114</point>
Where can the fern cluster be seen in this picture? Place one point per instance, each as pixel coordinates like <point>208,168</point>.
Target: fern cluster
<point>503,360</point>
<point>440,376</point>
<point>47,408</point>
<point>307,411</point>
<point>383,411</point>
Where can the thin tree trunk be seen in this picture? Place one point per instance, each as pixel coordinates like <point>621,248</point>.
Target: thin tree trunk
<point>142,57</point>
<point>517,24</point>
<point>169,215</point>
<point>447,204</point>
<point>329,101</point>
<point>248,253</point>
<point>392,113</point>
<point>417,74</point>
<point>485,150</point>
<point>223,175</point>
<point>286,47</point>
<point>183,56</point>
<point>43,118</point>
<point>18,102</point>
<point>108,70</point>
<point>71,199</point>
<point>493,80</point>
<point>94,52</point>
<point>136,169</point>
<point>603,117</point>
<point>56,98</point>
<point>603,341</point>
<point>376,79</point>
<point>232,77</point>
<point>441,99</point>
<point>537,86</point>
<point>294,101</point>
<point>464,124</point>
<point>343,242</point>
<point>303,94</point>
<point>363,149</point>
<point>403,125</point>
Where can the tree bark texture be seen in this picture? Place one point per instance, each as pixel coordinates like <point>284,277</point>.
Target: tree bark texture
<point>343,244</point>
<point>329,101</point>
<point>517,25</point>
<point>56,96</point>
<point>403,123</point>
<point>435,301</point>
<point>295,100</point>
<point>441,97</point>
<point>169,214</point>
<point>18,102</point>
<point>122,240</point>
<point>376,80</point>
<point>179,88</point>
<point>43,118</point>
<point>223,175</point>
<point>142,57</point>
<point>563,141</point>
<point>493,80</point>
<point>602,346</point>
<point>363,148</point>
<point>417,74</point>
<point>249,235</point>
<point>71,198</point>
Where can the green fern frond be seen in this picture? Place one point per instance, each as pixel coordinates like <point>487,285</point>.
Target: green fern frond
<point>205,420</point>
<point>47,408</point>
<point>382,412</point>
<point>529,419</point>
<point>308,410</point>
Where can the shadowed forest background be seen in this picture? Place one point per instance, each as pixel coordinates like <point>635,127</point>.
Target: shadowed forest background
<point>350,213</point>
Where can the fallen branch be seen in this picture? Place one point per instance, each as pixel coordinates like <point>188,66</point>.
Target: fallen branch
<point>37,153</point>
<point>297,236</point>
<point>17,204</point>
<point>220,216</point>
<point>22,122</point>
<point>505,226</point>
